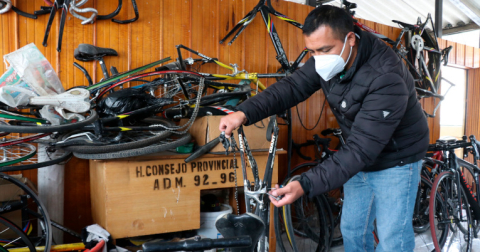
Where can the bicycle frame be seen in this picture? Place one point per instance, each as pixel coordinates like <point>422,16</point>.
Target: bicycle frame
<point>258,196</point>
<point>265,8</point>
<point>452,165</point>
<point>235,75</point>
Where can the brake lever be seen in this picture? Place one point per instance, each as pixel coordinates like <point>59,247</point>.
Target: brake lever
<point>226,144</point>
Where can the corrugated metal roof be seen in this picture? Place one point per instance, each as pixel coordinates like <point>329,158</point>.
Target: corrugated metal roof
<point>384,11</point>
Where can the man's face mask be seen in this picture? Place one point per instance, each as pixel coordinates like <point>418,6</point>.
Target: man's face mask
<point>327,66</point>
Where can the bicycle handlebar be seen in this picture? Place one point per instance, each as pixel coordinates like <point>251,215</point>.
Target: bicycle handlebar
<point>198,244</point>
<point>444,146</point>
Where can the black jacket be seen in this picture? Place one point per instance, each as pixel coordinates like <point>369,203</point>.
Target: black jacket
<point>375,104</point>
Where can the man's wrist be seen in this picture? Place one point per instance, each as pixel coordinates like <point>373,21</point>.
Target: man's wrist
<point>305,183</point>
<point>245,120</point>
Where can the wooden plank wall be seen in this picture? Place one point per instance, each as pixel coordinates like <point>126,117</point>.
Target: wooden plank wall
<point>472,120</point>
<point>199,24</point>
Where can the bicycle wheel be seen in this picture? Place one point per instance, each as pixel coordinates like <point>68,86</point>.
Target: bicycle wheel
<point>468,174</point>
<point>449,212</point>
<point>52,157</point>
<point>11,236</point>
<point>13,154</point>
<point>21,205</point>
<point>420,212</point>
<point>20,127</point>
<point>164,145</point>
<point>305,224</point>
<point>109,143</point>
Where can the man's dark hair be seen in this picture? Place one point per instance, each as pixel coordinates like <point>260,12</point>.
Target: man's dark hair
<point>336,18</point>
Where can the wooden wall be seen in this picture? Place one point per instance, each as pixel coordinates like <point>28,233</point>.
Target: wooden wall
<point>198,24</point>
<point>472,111</point>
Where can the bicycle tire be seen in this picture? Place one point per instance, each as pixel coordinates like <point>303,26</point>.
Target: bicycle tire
<point>149,139</point>
<point>34,210</point>
<point>472,187</point>
<point>301,227</point>
<point>329,218</point>
<point>421,222</point>
<point>183,139</point>
<point>446,188</point>
<point>13,154</point>
<point>278,220</point>
<point>202,150</point>
<point>325,210</point>
<point>5,223</point>
<point>44,128</point>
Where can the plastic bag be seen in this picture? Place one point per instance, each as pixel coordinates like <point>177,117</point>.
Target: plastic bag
<point>13,90</point>
<point>56,115</point>
<point>125,100</point>
<point>35,70</point>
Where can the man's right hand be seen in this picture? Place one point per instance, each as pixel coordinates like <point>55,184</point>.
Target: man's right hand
<point>231,122</point>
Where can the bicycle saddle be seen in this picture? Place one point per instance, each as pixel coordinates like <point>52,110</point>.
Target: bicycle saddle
<point>230,225</point>
<point>86,52</point>
<point>446,140</point>
<point>409,26</point>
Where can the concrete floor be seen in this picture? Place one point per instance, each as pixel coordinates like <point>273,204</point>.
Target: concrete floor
<point>423,243</point>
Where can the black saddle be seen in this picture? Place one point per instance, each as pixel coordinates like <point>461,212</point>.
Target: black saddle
<point>230,225</point>
<point>86,52</point>
<point>447,140</point>
<point>409,26</point>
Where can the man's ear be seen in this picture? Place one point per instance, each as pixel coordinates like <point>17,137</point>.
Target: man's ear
<point>351,39</point>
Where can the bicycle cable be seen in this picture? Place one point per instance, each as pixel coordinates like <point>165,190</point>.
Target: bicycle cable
<point>316,124</point>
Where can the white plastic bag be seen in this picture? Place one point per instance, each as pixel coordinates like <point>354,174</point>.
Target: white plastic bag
<point>56,115</point>
<point>35,70</point>
<point>13,90</point>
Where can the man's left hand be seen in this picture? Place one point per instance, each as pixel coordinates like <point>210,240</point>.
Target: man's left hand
<point>291,192</point>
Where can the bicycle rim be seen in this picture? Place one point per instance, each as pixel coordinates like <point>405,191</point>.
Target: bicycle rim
<point>11,236</point>
<point>13,154</point>
<point>51,157</point>
<point>22,206</point>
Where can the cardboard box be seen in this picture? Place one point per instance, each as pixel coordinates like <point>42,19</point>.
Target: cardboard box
<point>160,194</point>
<point>205,129</point>
<point>16,218</point>
<point>9,191</point>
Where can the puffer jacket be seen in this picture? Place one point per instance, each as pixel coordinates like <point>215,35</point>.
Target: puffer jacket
<point>375,104</point>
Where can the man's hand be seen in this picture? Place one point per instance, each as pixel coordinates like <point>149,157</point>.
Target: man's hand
<point>291,192</point>
<point>231,122</point>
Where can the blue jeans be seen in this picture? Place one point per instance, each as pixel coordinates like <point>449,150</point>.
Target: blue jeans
<point>389,196</point>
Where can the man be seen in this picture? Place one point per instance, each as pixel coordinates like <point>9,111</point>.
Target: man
<point>373,97</point>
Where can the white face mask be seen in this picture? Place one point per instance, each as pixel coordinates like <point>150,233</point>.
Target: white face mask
<point>327,66</point>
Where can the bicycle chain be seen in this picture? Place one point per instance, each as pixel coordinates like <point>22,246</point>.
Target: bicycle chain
<point>233,145</point>
<point>192,118</point>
